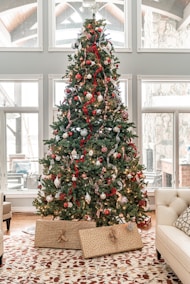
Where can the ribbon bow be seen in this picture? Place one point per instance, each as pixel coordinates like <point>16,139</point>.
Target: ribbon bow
<point>112,235</point>
<point>62,237</point>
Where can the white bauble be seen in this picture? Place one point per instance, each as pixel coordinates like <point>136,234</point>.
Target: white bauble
<point>65,135</point>
<point>88,96</point>
<point>70,204</point>
<point>90,153</point>
<point>58,158</point>
<point>83,132</point>
<point>74,178</point>
<point>57,138</point>
<point>87,198</point>
<point>57,182</point>
<point>116,129</point>
<point>89,76</point>
<point>98,111</point>
<point>49,198</point>
<point>103,195</point>
<point>74,154</point>
<point>98,163</point>
<point>100,98</point>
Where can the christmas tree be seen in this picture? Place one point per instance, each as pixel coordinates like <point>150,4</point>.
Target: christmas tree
<point>92,170</point>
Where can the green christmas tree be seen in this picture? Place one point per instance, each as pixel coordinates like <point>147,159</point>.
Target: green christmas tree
<point>92,169</point>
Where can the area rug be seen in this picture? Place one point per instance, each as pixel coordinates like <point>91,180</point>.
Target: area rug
<point>25,264</point>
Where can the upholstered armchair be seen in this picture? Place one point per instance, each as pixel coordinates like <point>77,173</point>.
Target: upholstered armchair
<point>1,228</point>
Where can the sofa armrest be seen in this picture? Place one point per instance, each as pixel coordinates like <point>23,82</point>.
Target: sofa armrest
<point>170,203</point>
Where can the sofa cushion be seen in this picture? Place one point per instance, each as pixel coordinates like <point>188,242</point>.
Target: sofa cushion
<point>183,221</point>
<point>175,242</point>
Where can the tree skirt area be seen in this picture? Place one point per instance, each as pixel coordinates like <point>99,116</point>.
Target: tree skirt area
<point>25,264</point>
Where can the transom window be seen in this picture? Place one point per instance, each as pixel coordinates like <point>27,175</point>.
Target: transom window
<point>163,25</point>
<point>21,25</point>
<point>67,17</point>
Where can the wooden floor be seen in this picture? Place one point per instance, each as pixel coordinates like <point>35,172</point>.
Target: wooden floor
<point>21,221</point>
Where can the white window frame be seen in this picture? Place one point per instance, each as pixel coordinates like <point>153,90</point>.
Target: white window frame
<point>127,27</point>
<point>160,50</point>
<point>39,110</point>
<point>167,109</point>
<point>40,33</point>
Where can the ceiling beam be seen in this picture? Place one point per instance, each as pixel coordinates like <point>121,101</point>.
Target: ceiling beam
<point>186,18</point>
<point>6,5</point>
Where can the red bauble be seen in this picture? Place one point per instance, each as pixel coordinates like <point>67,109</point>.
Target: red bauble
<point>65,204</point>
<point>142,203</point>
<point>78,76</point>
<point>119,155</point>
<point>88,62</point>
<point>106,211</point>
<point>62,196</point>
<point>89,26</point>
<point>76,98</point>
<point>68,91</point>
<point>53,156</point>
<point>94,112</point>
<point>70,133</point>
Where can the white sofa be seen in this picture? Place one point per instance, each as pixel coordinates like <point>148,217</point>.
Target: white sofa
<point>171,243</point>
<point>1,229</point>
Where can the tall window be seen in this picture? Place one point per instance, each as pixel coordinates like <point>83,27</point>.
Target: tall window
<point>21,115</point>
<point>20,25</point>
<point>163,25</point>
<point>165,130</point>
<point>57,87</point>
<point>67,17</point>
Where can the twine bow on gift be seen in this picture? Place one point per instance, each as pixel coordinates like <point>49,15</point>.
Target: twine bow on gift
<point>62,237</point>
<point>112,235</point>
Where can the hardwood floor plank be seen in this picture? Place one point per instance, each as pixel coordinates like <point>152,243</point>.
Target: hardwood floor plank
<point>21,221</point>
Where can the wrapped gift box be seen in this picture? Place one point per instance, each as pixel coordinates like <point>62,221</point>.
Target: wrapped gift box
<point>60,233</point>
<point>111,239</point>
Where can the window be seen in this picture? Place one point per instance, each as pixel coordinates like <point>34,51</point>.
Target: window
<point>165,130</point>
<point>66,19</point>
<point>21,25</point>
<point>163,26</point>
<point>21,115</point>
<point>57,87</point>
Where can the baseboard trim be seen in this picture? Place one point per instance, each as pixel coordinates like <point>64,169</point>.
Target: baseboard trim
<point>22,209</point>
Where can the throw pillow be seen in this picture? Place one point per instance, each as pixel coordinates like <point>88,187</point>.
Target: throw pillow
<point>183,221</point>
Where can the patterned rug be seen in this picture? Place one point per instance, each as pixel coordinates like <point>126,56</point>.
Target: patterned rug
<point>25,264</point>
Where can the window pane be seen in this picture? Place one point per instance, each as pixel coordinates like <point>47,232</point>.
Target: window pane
<point>157,129</point>
<point>165,25</point>
<point>15,94</point>
<point>59,93</point>
<point>68,18</point>
<point>22,149</point>
<point>184,149</point>
<point>165,94</point>
<point>19,27</point>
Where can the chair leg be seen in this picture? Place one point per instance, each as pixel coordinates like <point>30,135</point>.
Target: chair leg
<point>158,255</point>
<point>8,222</point>
<point>1,260</point>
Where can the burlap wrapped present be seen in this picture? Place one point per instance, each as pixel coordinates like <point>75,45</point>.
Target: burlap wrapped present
<point>60,233</point>
<point>111,239</point>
